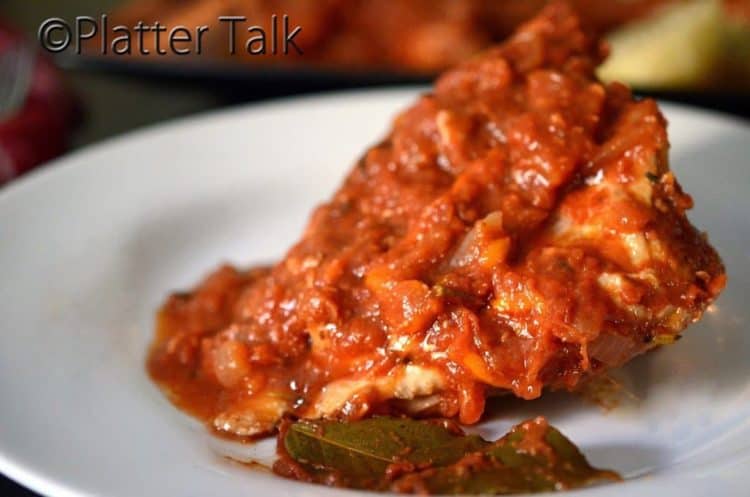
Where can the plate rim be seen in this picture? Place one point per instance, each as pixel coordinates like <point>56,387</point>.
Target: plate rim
<point>59,164</point>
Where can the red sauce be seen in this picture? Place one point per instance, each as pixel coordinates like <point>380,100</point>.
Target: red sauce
<point>519,228</point>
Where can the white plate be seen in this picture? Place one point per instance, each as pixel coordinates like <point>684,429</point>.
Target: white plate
<point>91,245</point>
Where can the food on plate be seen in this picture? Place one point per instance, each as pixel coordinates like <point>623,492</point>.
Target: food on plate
<point>518,229</point>
<point>657,43</point>
<point>433,457</point>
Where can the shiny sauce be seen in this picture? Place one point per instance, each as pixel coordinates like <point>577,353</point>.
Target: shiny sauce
<point>518,229</point>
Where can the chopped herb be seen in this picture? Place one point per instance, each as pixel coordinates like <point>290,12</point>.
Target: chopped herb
<point>653,178</point>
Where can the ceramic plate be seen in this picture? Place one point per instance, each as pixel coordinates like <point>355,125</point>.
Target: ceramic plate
<point>92,244</point>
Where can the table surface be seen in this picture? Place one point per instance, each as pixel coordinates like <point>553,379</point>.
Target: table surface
<point>116,103</point>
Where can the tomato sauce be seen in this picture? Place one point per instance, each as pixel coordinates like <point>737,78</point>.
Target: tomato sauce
<point>519,228</point>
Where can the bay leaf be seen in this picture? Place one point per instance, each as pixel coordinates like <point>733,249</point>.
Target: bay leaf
<point>410,456</point>
<point>362,451</point>
<point>533,457</point>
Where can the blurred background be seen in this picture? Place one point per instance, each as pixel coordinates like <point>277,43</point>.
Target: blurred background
<point>692,51</point>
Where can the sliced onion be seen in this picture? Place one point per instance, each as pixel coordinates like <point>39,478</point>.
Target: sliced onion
<point>613,349</point>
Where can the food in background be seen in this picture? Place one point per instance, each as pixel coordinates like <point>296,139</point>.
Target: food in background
<point>37,128</point>
<point>656,43</point>
<point>693,44</point>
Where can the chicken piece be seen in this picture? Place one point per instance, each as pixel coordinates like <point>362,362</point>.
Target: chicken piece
<point>518,229</point>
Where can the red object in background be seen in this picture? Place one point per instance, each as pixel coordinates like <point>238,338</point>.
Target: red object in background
<point>40,129</point>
